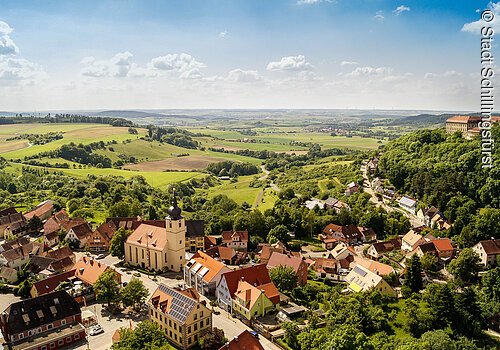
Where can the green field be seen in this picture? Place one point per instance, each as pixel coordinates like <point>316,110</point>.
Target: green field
<point>77,133</point>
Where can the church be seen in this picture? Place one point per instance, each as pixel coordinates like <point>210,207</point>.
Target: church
<point>159,248</point>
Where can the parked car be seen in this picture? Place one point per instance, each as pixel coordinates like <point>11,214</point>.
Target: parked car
<point>255,334</point>
<point>101,256</point>
<point>96,330</point>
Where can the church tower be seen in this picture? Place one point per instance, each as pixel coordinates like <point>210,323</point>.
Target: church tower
<point>176,238</point>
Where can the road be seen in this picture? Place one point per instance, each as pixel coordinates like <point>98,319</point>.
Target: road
<point>414,221</point>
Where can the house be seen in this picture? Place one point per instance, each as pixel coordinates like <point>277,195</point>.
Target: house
<point>211,241</point>
<point>195,235</point>
<point>204,273</point>
<point>330,268</point>
<point>43,211</point>
<point>411,240</point>
<point>256,275</point>
<point>228,256</point>
<point>12,223</point>
<point>352,188</point>
<point>426,214</point>
<point>298,265</point>
<point>372,165</point>
<point>251,302</point>
<point>461,123</point>
<point>333,234</point>
<point>433,218</point>
<point>244,341</point>
<point>235,239</point>
<point>267,249</point>
<point>444,248</point>
<point>181,314</point>
<point>374,266</point>
<point>362,279</point>
<point>100,239</point>
<point>377,250</point>
<point>50,284</point>
<point>50,321</point>
<point>60,253</point>
<point>88,270</point>
<point>17,257</point>
<point>313,203</point>
<point>8,275</point>
<point>488,251</point>
<point>407,203</point>
<point>79,234</point>
<point>58,223</point>
<point>423,248</point>
<point>159,248</point>
<point>342,251</point>
<point>336,205</point>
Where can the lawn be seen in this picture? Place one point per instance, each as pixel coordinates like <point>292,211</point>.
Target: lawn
<point>239,191</point>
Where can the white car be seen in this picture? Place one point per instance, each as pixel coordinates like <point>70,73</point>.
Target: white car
<point>100,256</point>
<point>96,330</point>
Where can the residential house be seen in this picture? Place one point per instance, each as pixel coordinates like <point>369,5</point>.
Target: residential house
<point>211,241</point>
<point>12,223</point>
<point>244,341</point>
<point>251,302</point>
<point>462,123</point>
<point>409,204</point>
<point>336,205</point>
<point>256,275</point>
<point>50,284</point>
<point>298,265</point>
<point>444,248</point>
<point>195,235</point>
<point>204,273</point>
<point>228,256</point>
<point>88,270</point>
<point>8,275</point>
<point>488,252</point>
<point>374,266</point>
<point>433,218</point>
<point>333,234</point>
<point>313,203</point>
<point>330,268</point>
<point>411,240</point>
<point>372,165</point>
<point>342,251</point>
<point>156,247</point>
<point>352,188</point>
<point>100,239</point>
<point>377,250</point>
<point>235,239</point>
<point>362,279</point>
<point>267,249</point>
<point>17,257</point>
<point>43,211</point>
<point>181,314</point>
<point>50,321</point>
<point>79,234</point>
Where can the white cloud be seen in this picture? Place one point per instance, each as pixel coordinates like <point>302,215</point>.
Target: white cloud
<point>311,2</point>
<point>379,16</point>
<point>243,76</point>
<point>223,34</point>
<point>193,73</point>
<point>7,45</point>
<point>18,69</point>
<point>290,63</point>
<point>447,74</point>
<point>348,63</point>
<point>176,62</point>
<point>117,66</point>
<point>400,9</point>
<point>475,27</point>
<point>370,71</point>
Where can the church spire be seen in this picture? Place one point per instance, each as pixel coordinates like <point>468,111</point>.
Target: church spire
<point>174,212</point>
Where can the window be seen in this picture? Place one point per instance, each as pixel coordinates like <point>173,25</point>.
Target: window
<point>175,326</point>
<point>60,342</point>
<point>77,336</point>
<point>21,336</point>
<point>180,257</point>
<point>50,326</point>
<point>201,314</point>
<point>170,323</point>
<point>189,331</point>
<point>180,242</point>
<point>175,336</point>
<point>161,318</point>
<point>195,317</point>
<point>63,322</point>
<point>195,327</point>
<point>43,347</point>
<point>189,340</point>
<point>68,339</point>
<point>52,345</point>
<point>142,253</point>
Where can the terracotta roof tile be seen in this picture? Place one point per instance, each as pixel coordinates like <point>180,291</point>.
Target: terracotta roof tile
<point>244,341</point>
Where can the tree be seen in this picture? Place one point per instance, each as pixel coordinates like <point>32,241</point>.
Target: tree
<point>117,244</point>
<point>491,285</point>
<point>429,262</point>
<point>212,339</point>
<point>106,287</point>
<point>147,335</point>
<point>346,337</point>
<point>413,276</point>
<point>466,266</point>
<point>440,302</point>
<point>134,293</point>
<point>284,278</point>
<point>278,233</point>
<point>291,332</point>
<point>35,224</point>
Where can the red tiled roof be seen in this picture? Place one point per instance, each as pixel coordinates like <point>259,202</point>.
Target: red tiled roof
<point>463,119</point>
<point>491,246</point>
<point>257,274</point>
<point>227,236</point>
<point>244,341</point>
<point>40,209</point>
<point>60,253</point>
<point>50,284</point>
<point>278,259</point>
<point>443,244</point>
<point>107,229</point>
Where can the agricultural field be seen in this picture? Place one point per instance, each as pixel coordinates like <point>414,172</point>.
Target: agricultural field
<point>77,133</point>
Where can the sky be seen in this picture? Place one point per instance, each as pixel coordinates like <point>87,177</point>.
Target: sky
<point>181,54</point>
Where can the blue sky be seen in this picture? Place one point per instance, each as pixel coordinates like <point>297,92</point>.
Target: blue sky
<point>240,54</point>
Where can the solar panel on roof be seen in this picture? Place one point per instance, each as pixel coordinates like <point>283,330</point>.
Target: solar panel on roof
<point>359,271</point>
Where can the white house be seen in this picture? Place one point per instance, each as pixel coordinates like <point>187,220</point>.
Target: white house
<point>408,204</point>
<point>488,251</point>
<point>411,241</point>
